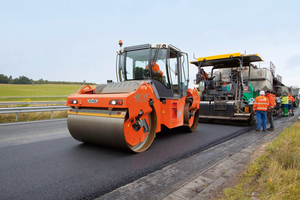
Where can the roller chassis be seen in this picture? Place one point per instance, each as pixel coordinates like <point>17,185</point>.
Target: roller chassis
<point>129,113</point>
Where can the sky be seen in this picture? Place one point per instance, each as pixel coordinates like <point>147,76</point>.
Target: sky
<point>77,40</point>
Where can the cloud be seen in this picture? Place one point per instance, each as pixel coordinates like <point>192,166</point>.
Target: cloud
<point>293,61</point>
<point>292,81</point>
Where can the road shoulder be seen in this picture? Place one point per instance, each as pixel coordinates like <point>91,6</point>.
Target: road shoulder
<point>201,175</point>
<point>224,174</point>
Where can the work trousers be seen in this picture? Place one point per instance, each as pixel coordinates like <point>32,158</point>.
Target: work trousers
<point>270,118</point>
<point>261,116</point>
<point>285,110</point>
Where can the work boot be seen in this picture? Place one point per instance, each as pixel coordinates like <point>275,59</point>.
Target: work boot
<point>264,131</point>
<point>257,130</point>
<point>285,112</point>
<point>270,129</point>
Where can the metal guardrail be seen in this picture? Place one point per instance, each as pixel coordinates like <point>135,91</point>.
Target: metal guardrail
<point>17,110</point>
<point>25,97</point>
<point>31,103</point>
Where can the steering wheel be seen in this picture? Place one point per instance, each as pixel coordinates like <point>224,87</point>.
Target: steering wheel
<point>147,72</point>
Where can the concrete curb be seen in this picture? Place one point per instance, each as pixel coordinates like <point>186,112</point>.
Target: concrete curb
<point>204,185</point>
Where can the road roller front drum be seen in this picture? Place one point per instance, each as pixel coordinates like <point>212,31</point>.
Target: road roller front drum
<point>113,130</point>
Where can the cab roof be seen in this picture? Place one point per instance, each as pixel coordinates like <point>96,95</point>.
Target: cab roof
<point>152,46</point>
<point>227,60</point>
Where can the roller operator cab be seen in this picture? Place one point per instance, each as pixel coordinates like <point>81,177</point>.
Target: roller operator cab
<point>152,90</point>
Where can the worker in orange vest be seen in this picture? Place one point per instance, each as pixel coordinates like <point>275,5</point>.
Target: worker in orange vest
<point>291,101</point>
<point>260,106</point>
<point>204,75</point>
<point>155,68</point>
<point>271,98</point>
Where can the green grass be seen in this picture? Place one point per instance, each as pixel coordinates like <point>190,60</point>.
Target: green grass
<point>29,99</point>
<point>275,174</point>
<point>13,90</point>
<point>37,92</point>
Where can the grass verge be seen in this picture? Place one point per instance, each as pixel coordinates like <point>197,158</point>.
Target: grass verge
<point>37,90</point>
<point>29,99</point>
<point>273,175</point>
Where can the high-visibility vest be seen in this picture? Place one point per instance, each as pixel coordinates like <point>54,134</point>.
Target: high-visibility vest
<point>285,100</point>
<point>204,75</point>
<point>291,98</point>
<point>271,100</point>
<point>155,68</point>
<point>261,103</point>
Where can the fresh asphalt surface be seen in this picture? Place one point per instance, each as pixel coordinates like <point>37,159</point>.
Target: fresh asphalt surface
<point>40,160</point>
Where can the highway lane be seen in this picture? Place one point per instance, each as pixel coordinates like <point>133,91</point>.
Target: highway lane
<point>40,160</point>
<point>29,132</point>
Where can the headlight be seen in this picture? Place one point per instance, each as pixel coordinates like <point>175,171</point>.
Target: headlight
<point>73,101</point>
<point>116,102</point>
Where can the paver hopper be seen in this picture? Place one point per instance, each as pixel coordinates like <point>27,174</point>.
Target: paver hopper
<point>227,95</point>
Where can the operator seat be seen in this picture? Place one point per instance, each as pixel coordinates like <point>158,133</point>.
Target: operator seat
<point>138,73</point>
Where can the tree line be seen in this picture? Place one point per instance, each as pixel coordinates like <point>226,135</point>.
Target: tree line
<point>25,80</point>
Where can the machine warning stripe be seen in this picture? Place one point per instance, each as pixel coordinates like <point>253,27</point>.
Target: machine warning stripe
<point>121,115</point>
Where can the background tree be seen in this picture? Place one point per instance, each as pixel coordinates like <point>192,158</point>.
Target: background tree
<point>3,78</point>
<point>22,80</point>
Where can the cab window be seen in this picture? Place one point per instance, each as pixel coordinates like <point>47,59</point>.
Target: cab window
<point>159,66</point>
<point>136,62</point>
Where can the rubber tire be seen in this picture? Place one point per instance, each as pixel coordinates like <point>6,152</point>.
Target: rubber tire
<point>252,120</point>
<point>187,117</point>
<point>296,105</point>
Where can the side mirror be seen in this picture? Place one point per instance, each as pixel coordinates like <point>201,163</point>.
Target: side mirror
<point>198,78</point>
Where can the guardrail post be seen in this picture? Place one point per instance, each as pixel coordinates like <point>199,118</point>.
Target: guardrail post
<point>51,114</point>
<point>16,117</point>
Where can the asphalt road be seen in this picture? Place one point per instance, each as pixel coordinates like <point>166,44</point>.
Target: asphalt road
<point>40,160</point>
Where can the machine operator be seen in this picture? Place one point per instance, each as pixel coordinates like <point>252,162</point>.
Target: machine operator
<point>155,68</point>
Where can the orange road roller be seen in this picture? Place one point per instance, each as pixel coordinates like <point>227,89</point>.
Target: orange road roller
<point>151,91</point>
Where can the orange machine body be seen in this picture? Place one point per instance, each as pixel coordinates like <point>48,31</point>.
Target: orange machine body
<point>128,113</point>
<point>170,113</point>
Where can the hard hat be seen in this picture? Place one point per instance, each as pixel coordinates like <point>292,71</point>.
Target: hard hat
<point>262,92</point>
